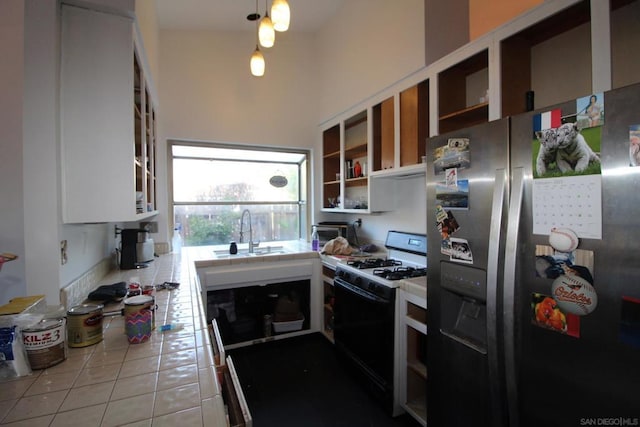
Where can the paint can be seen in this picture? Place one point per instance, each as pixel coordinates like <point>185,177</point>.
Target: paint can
<point>45,343</point>
<point>139,318</point>
<point>84,325</point>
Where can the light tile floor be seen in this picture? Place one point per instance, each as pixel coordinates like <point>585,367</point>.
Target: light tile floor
<point>165,381</point>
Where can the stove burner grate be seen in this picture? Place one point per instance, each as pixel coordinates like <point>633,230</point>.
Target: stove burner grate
<point>373,263</point>
<point>399,273</point>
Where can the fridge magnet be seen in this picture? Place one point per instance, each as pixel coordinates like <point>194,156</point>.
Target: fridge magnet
<point>566,150</point>
<point>445,247</point>
<point>460,251</point>
<point>453,155</point>
<point>590,111</point>
<point>451,177</point>
<point>546,314</point>
<point>550,264</point>
<point>563,239</point>
<point>634,145</point>
<point>441,214</point>
<point>630,321</point>
<point>448,225</point>
<point>574,294</point>
<point>456,197</point>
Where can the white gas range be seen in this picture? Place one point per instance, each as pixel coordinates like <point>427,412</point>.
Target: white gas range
<point>364,310</point>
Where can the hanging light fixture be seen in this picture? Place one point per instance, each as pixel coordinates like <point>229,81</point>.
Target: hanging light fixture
<point>257,63</point>
<point>266,33</point>
<point>280,15</point>
<point>257,59</point>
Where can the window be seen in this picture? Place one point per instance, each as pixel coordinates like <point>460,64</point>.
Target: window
<point>214,183</point>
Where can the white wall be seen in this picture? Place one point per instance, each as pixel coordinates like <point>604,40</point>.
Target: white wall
<point>12,276</point>
<point>207,92</point>
<point>29,164</point>
<point>409,215</point>
<point>40,146</point>
<point>366,47</point>
<point>147,20</point>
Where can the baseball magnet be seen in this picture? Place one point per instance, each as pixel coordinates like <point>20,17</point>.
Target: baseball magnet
<point>563,239</point>
<point>574,294</point>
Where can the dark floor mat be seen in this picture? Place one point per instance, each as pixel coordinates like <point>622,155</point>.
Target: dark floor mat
<point>300,382</point>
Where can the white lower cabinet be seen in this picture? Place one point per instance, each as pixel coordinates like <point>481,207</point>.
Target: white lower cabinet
<point>412,334</point>
<point>237,410</point>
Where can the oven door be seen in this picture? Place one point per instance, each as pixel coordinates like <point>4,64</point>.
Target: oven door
<point>364,333</point>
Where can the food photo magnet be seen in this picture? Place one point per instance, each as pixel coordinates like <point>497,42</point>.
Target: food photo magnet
<point>546,314</point>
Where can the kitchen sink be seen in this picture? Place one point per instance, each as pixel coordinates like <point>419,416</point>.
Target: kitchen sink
<point>243,252</point>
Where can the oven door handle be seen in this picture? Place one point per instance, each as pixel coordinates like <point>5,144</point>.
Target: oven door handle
<point>361,292</point>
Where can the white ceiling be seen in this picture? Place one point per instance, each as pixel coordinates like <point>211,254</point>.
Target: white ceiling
<point>231,15</point>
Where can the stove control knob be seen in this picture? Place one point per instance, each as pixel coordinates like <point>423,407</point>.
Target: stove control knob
<point>358,281</point>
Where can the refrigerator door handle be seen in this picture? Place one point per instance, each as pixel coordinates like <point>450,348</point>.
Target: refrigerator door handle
<point>508,292</point>
<point>497,213</point>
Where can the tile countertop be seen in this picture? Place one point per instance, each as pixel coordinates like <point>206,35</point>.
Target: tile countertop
<point>168,380</point>
<point>416,286</point>
<point>208,256</point>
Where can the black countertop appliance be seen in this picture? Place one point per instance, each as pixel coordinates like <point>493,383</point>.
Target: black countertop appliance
<point>135,249</point>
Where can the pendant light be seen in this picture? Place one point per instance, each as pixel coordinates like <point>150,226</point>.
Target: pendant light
<point>266,33</point>
<point>257,59</point>
<point>257,63</point>
<point>280,15</point>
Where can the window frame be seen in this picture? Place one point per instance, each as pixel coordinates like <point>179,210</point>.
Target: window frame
<point>304,182</point>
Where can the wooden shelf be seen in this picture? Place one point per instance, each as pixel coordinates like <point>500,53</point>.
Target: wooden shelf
<point>356,151</point>
<point>352,182</point>
<point>418,367</point>
<point>454,90</point>
<point>466,117</point>
<point>414,123</point>
<point>418,408</point>
<point>477,109</point>
<point>355,121</point>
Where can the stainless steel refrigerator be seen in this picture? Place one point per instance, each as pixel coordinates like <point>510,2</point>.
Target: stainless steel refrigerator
<point>504,347</point>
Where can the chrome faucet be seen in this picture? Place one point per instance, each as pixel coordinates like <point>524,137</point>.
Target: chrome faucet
<point>251,244</point>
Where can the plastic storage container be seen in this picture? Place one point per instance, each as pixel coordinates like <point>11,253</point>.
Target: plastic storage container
<point>315,239</point>
<point>176,241</point>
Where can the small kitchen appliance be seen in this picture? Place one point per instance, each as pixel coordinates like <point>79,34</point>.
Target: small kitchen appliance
<point>136,249</point>
<point>365,315</point>
<point>328,230</point>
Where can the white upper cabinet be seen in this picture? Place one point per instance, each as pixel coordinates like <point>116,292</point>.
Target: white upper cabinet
<point>98,132</point>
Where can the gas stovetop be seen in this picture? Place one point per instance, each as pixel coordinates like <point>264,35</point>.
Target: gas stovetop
<point>408,259</point>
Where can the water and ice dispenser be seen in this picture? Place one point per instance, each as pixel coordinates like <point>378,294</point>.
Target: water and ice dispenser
<point>463,305</point>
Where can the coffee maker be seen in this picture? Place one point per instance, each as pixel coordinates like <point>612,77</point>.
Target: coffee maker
<point>136,249</point>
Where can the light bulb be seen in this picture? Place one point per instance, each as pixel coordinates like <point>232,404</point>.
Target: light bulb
<point>266,33</point>
<point>257,63</point>
<point>280,15</point>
